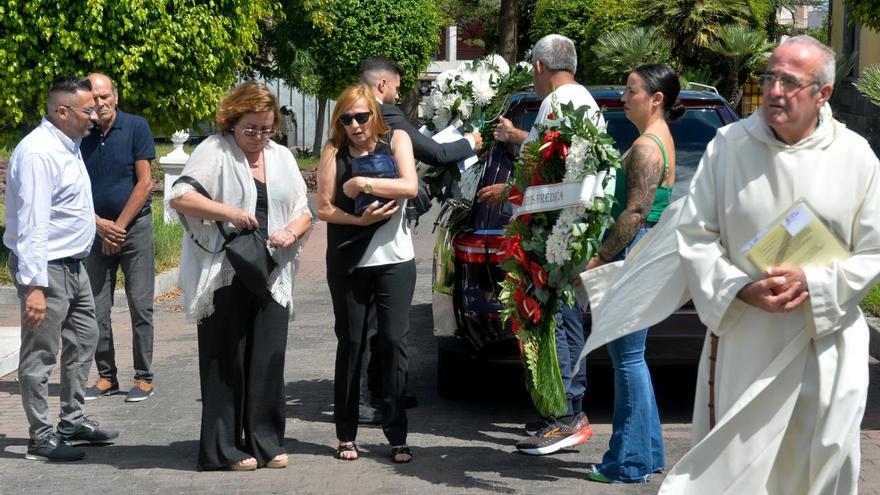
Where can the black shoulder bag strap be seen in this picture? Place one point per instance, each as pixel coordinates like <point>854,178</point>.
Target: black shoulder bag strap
<point>185,179</point>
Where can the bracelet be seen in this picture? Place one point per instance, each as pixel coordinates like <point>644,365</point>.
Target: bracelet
<point>295,237</point>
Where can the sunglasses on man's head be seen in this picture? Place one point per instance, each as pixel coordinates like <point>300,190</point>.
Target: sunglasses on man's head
<point>361,118</point>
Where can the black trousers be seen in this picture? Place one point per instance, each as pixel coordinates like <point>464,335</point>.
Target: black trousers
<point>241,366</point>
<point>390,288</point>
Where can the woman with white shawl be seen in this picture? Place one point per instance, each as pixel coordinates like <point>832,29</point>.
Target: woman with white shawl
<point>255,184</point>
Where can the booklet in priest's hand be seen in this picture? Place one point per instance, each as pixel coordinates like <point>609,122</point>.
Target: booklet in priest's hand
<point>798,237</point>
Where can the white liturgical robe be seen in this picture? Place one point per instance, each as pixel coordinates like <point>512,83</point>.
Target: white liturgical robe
<point>790,388</point>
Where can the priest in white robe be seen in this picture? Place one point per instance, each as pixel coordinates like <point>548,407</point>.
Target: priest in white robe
<point>791,376</point>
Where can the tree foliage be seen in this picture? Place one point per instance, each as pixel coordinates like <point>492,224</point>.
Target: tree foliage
<point>741,50</point>
<point>171,60</point>
<point>692,24</point>
<point>619,52</point>
<point>865,12</point>
<point>319,44</point>
<point>584,21</point>
<point>869,84</point>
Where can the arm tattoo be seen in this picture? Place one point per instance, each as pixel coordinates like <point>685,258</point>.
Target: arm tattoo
<point>643,173</point>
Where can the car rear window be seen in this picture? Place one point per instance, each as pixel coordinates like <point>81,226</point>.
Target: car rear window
<point>691,134</point>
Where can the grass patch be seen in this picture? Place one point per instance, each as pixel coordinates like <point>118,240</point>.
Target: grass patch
<point>166,239</point>
<point>163,149</point>
<point>871,302</point>
<point>307,162</point>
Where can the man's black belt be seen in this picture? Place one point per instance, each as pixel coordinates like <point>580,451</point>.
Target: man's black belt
<point>66,261</point>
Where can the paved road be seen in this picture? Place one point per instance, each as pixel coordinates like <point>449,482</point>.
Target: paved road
<point>461,446</point>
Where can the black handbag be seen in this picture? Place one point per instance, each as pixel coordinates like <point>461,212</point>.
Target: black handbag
<point>246,250</point>
<point>419,205</point>
<point>378,166</point>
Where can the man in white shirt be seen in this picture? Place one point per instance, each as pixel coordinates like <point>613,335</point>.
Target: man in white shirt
<point>554,60</point>
<point>50,226</point>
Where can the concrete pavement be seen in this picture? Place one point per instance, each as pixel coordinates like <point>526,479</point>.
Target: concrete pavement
<point>461,446</point>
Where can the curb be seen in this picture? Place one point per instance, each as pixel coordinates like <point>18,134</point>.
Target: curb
<point>10,341</point>
<point>163,283</point>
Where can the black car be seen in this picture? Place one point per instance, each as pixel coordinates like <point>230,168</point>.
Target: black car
<point>466,271</point>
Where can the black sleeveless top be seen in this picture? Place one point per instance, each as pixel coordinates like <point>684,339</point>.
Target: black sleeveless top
<point>262,209</point>
<point>346,244</point>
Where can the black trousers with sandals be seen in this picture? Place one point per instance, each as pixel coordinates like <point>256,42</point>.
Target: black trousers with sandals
<point>390,288</point>
<point>241,367</point>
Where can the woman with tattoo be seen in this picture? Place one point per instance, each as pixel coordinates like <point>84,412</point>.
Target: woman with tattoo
<point>644,187</point>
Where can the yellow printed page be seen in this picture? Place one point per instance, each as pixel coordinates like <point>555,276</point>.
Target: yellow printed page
<point>797,238</point>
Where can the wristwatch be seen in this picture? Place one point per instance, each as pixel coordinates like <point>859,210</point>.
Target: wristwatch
<point>368,188</point>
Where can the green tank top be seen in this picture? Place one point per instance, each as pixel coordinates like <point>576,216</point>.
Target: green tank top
<point>661,199</point>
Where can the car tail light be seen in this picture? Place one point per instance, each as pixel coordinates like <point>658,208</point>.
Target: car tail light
<point>477,248</point>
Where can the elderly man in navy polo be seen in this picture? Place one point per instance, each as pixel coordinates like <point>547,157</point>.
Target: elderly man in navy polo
<point>117,155</point>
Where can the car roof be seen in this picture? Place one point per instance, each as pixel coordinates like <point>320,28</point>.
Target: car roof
<point>609,96</point>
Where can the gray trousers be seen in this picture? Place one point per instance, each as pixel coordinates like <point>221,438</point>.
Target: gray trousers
<point>70,320</point>
<point>137,260</point>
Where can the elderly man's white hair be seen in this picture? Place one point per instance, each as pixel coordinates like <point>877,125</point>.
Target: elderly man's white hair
<point>828,68</point>
<point>556,52</point>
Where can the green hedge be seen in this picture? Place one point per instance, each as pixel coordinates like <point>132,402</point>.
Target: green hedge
<point>584,21</point>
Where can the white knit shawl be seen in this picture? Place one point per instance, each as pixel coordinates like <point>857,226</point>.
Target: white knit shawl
<point>220,166</point>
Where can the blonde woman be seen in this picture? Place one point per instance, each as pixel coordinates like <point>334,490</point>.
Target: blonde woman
<point>370,260</point>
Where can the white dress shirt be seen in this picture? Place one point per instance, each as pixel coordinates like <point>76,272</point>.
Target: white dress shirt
<point>49,210</point>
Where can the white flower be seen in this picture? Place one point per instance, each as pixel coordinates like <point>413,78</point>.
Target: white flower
<point>524,66</point>
<point>560,236</point>
<point>469,76</point>
<point>483,91</point>
<point>498,62</point>
<point>464,109</point>
<point>579,160</point>
<point>446,79</point>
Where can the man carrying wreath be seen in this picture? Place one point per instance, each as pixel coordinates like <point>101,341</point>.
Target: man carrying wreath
<point>554,60</point>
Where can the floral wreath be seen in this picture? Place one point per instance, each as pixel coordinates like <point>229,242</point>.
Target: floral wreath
<point>544,251</point>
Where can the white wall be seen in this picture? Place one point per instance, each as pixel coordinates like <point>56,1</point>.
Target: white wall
<point>306,109</point>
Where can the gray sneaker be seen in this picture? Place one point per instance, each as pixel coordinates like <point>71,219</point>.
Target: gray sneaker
<point>141,391</point>
<point>88,433</point>
<point>557,435</point>
<point>102,388</point>
<point>52,449</point>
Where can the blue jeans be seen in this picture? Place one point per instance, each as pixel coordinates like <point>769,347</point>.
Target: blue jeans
<point>635,450</point>
<point>569,344</point>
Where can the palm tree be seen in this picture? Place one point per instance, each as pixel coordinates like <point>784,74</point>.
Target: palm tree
<point>619,52</point>
<point>869,84</point>
<point>741,50</point>
<point>692,24</point>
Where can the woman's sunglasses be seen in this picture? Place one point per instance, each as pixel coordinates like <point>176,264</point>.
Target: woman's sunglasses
<point>361,118</point>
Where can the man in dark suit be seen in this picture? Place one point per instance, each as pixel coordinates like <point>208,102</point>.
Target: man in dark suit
<point>383,75</point>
